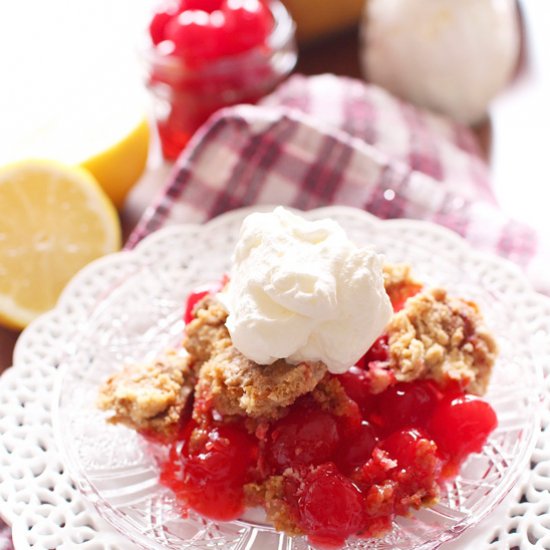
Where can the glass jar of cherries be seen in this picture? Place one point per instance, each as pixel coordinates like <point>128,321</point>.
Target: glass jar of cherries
<point>203,55</point>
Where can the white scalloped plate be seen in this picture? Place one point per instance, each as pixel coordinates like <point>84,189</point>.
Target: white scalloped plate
<point>41,500</point>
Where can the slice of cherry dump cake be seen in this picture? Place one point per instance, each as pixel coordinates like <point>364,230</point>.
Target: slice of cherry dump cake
<point>332,445</point>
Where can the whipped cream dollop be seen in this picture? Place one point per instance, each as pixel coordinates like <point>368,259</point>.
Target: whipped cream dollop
<point>302,291</point>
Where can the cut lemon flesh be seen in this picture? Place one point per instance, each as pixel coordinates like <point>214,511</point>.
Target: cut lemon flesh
<point>54,220</point>
<point>115,152</point>
<point>118,167</point>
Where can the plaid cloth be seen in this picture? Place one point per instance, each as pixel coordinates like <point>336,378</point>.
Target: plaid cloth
<point>5,537</point>
<point>330,140</point>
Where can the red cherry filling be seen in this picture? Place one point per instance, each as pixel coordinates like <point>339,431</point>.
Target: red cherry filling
<point>347,466</point>
<point>407,404</point>
<point>210,477</point>
<point>357,385</point>
<point>357,449</point>
<point>414,481</point>
<point>330,506</point>
<point>377,352</point>
<point>194,298</point>
<point>402,293</point>
<point>198,294</point>
<point>402,446</point>
<point>461,425</point>
<point>307,435</point>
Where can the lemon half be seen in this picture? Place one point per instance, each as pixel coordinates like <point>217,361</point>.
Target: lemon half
<point>118,167</point>
<point>54,220</point>
<point>83,124</point>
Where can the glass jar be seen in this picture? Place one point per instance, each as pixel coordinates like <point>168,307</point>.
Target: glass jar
<point>184,97</point>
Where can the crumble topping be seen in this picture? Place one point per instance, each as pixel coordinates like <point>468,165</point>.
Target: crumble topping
<point>271,495</point>
<point>436,336</point>
<point>399,283</point>
<point>206,335</point>
<point>331,396</point>
<point>232,383</point>
<point>433,336</point>
<point>149,397</point>
<point>396,275</point>
<point>238,386</point>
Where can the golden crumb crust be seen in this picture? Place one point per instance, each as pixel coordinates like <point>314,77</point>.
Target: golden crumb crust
<point>399,283</point>
<point>149,397</point>
<point>271,495</point>
<point>398,275</point>
<point>432,336</point>
<point>444,338</point>
<point>238,386</point>
<point>206,335</point>
<point>233,384</point>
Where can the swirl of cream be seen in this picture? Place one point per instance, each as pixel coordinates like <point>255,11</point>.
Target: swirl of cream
<point>302,291</point>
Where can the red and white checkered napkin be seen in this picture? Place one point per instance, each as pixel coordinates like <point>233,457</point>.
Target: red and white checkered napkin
<point>5,537</point>
<point>329,140</point>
